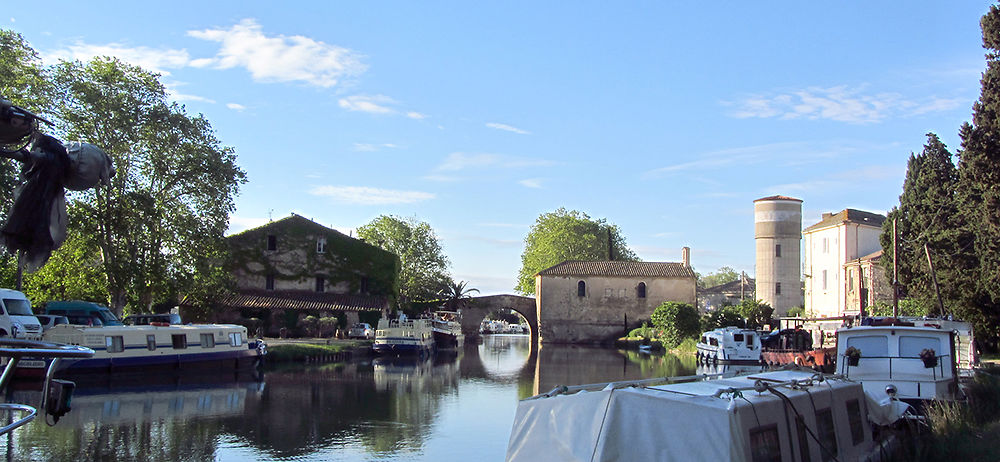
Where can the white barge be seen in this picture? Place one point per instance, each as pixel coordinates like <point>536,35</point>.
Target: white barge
<point>403,336</point>
<point>729,345</point>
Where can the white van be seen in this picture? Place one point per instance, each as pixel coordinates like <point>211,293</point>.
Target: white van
<point>16,318</point>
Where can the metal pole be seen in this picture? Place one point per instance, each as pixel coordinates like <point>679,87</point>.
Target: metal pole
<point>895,272</point>
<point>937,290</point>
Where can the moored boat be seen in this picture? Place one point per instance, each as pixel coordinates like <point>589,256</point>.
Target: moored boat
<point>403,336</point>
<point>729,345</point>
<point>123,348</point>
<point>447,328</point>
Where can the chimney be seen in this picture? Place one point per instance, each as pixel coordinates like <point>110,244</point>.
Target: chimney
<point>686,256</point>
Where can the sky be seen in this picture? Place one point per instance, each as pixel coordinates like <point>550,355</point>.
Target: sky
<point>666,118</point>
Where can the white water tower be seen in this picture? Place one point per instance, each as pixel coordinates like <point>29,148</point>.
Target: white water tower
<point>778,233</point>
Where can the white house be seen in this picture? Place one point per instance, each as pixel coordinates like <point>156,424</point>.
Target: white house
<point>838,239</point>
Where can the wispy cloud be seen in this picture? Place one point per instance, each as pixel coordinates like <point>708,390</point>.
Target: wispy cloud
<point>376,104</point>
<point>279,58</point>
<point>236,106</point>
<point>364,195</point>
<point>847,180</point>
<point>507,128</point>
<point>158,60</point>
<point>238,223</point>
<point>416,115</point>
<point>458,161</point>
<point>503,225</point>
<point>371,147</point>
<point>531,183</point>
<point>839,103</point>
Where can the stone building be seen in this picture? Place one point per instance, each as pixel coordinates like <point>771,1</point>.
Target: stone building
<point>777,237</point>
<point>730,293</point>
<point>866,284</point>
<point>599,301</point>
<point>294,267</point>
<point>838,239</point>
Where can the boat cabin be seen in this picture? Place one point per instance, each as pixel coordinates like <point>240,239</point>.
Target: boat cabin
<point>731,345</point>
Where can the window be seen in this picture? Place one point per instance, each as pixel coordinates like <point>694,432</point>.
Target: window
<point>713,341</point>
<point>777,250</point>
<point>824,279</point>
<point>911,346</point>
<point>236,339</point>
<point>803,439</point>
<point>151,342</point>
<point>320,283</point>
<point>827,434</point>
<point>640,291</point>
<point>737,337</point>
<point>321,245</point>
<point>208,340</point>
<point>581,289</point>
<point>609,292</point>
<point>269,282</point>
<point>870,345</point>
<point>364,284</point>
<point>179,341</point>
<point>272,242</point>
<point>777,288</point>
<point>749,340</point>
<point>764,444</point>
<point>114,344</point>
<point>854,420</point>
<point>826,245</point>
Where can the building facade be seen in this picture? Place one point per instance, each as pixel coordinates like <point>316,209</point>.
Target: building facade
<point>778,238</point>
<point>728,294</point>
<point>600,301</point>
<point>838,239</point>
<point>867,284</point>
<point>294,267</point>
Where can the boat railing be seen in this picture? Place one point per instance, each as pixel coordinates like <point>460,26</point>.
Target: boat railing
<point>902,367</point>
<point>55,393</point>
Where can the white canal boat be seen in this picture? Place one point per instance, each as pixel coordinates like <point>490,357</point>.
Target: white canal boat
<point>122,348</point>
<point>447,327</point>
<point>729,345</point>
<point>769,416</point>
<point>404,336</point>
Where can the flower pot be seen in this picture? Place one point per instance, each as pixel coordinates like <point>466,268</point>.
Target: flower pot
<point>853,360</point>
<point>930,362</point>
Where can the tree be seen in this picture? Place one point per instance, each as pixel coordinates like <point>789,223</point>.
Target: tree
<point>677,321</point>
<point>756,312</point>
<point>979,186</point>
<point>722,276</point>
<point>424,267</point>
<point>928,219</point>
<point>568,235</point>
<point>455,294</point>
<point>162,217</point>
<point>74,272</point>
<point>723,317</point>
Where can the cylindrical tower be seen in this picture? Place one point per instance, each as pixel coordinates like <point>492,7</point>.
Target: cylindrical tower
<point>778,233</point>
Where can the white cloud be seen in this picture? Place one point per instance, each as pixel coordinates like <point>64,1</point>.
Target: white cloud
<point>839,103</point>
<point>531,183</point>
<point>237,223</point>
<point>151,59</point>
<point>280,58</point>
<point>377,104</point>
<point>236,106</point>
<point>369,147</point>
<point>364,195</point>
<point>416,115</point>
<point>507,128</point>
<point>461,161</point>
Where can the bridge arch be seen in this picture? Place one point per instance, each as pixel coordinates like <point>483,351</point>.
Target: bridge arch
<point>477,308</point>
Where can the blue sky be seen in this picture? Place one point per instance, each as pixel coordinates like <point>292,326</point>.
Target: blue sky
<point>666,118</point>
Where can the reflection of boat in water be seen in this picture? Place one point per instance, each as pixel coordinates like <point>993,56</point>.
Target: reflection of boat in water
<point>413,374</point>
<point>403,336</point>
<point>447,326</point>
<point>728,369</point>
<point>777,415</point>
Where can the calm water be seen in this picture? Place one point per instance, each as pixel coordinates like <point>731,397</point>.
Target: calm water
<point>446,408</point>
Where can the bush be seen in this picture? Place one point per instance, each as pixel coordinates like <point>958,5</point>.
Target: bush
<point>796,312</point>
<point>723,317</point>
<point>676,321</point>
<point>645,332</point>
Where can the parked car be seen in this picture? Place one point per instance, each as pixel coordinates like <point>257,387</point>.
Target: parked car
<point>83,313</point>
<point>147,319</point>
<point>16,317</point>
<point>361,330</point>
<point>49,321</point>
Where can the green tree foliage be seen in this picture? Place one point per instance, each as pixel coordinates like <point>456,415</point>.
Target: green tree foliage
<point>928,215</point>
<point>568,235</point>
<point>677,321</point>
<point>907,307</point>
<point>722,276</point>
<point>160,222</point>
<point>456,293</point>
<point>424,268</point>
<point>74,272</point>
<point>756,312</point>
<point>979,185</point>
<point>725,316</point>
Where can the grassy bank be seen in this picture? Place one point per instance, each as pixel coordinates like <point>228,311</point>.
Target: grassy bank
<point>965,430</point>
<point>298,352</point>
<point>688,346</point>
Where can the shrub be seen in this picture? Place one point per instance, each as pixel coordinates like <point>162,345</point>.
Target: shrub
<point>645,332</point>
<point>677,321</point>
<point>796,312</point>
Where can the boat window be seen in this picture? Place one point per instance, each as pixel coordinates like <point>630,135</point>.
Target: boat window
<point>749,340</point>
<point>911,346</point>
<point>764,444</point>
<point>713,341</point>
<point>854,419</point>
<point>827,434</point>
<point>151,342</point>
<point>800,424</point>
<point>208,340</point>
<point>737,337</point>
<point>114,344</point>
<point>236,339</point>
<point>703,339</point>
<point>870,345</point>
<point>179,341</point>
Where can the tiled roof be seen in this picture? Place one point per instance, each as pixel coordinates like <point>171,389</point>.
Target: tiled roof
<point>301,300</point>
<point>848,216</point>
<point>620,269</point>
<point>731,287</point>
<point>778,198</point>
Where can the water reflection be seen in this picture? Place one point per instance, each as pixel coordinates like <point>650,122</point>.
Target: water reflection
<point>447,407</point>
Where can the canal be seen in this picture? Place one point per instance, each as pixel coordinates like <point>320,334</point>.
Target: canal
<point>450,407</point>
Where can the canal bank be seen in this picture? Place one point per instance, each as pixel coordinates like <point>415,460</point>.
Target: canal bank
<point>316,350</point>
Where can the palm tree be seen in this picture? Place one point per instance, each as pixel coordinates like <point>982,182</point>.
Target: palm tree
<point>455,294</point>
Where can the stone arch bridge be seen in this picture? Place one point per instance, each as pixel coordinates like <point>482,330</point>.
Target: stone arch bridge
<point>476,309</point>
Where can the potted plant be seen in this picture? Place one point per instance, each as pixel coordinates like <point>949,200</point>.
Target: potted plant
<point>853,355</point>
<point>929,357</point>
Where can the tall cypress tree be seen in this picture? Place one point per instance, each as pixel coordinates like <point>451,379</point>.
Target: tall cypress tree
<point>928,216</point>
<point>979,180</point>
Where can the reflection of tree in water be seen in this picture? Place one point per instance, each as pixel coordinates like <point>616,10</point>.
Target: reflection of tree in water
<point>665,365</point>
<point>576,364</point>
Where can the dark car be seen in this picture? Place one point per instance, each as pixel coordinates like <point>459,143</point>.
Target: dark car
<point>149,318</point>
